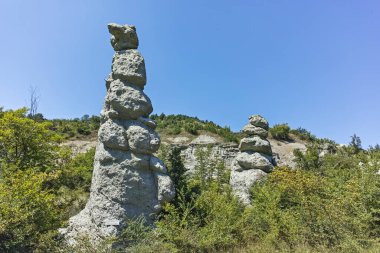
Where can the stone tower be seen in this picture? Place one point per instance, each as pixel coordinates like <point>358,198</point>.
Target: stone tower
<point>128,180</point>
<point>254,160</point>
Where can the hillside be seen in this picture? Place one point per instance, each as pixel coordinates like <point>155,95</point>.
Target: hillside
<point>185,131</point>
<point>328,203</point>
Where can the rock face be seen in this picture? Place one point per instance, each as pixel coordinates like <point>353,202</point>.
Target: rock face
<point>128,181</point>
<point>254,160</point>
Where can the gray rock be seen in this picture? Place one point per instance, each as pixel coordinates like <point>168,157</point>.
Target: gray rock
<point>165,188</point>
<point>141,139</point>
<point>125,101</point>
<point>242,181</point>
<point>254,160</point>
<point>129,66</point>
<point>108,81</point>
<point>259,121</point>
<point>157,165</point>
<point>113,135</point>
<point>204,139</point>
<point>250,130</point>
<point>255,144</point>
<point>127,181</point>
<point>148,122</point>
<point>123,36</point>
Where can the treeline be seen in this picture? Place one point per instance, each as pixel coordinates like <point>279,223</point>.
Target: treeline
<point>176,124</point>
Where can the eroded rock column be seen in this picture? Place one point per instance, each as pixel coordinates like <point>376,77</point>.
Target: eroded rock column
<point>254,160</point>
<point>128,180</point>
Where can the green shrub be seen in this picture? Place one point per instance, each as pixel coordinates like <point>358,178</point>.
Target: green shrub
<point>303,134</point>
<point>26,143</point>
<point>280,131</point>
<point>173,124</point>
<point>331,205</point>
<point>192,128</point>
<point>27,210</point>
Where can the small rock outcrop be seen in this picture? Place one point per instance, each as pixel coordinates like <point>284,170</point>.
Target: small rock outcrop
<point>254,160</point>
<point>128,180</point>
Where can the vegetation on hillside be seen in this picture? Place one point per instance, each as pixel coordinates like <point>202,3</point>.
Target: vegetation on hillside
<point>81,128</point>
<point>76,128</point>
<point>330,203</point>
<point>176,124</point>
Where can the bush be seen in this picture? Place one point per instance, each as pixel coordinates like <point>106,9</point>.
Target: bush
<point>26,143</point>
<point>303,134</point>
<point>27,210</point>
<point>173,124</point>
<point>280,132</point>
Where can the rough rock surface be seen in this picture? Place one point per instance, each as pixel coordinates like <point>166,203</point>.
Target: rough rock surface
<point>253,130</point>
<point>259,121</point>
<point>123,36</point>
<point>254,160</point>
<point>128,181</point>
<point>126,101</point>
<point>255,144</point>
<point>129,66</point>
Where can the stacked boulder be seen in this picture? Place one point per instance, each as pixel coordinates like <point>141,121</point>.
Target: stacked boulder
<point>128,180</point>
<point>254,160</point>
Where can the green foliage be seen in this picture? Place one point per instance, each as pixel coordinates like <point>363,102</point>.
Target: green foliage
<point>171,156</point>
<point>303,134</point>
<point>309,160</point>
<point>41,184</point>
<point>76,128</point>
<point>204,215</point>
<point>330,203</point>
<point>77,172</point>
<point>280,131</point>
<point>27,210</point>
<point>175,124</point>
<point>26,143</point>
<point>355,144</point>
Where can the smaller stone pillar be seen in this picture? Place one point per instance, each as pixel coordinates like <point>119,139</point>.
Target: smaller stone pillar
<point>254,160</point>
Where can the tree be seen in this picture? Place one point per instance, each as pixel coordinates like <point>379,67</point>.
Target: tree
<point>355,144</point>
<point>34,99</point>
<point>25,143</point>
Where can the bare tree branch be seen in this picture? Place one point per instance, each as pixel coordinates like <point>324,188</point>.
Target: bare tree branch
<point>34,99</point>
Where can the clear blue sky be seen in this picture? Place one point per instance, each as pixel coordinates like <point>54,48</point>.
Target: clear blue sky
<point>314,64</point>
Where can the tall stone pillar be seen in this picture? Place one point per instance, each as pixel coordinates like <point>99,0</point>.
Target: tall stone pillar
<point>128,180</point>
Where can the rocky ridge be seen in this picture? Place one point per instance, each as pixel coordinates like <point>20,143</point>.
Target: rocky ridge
<point>128,180</point>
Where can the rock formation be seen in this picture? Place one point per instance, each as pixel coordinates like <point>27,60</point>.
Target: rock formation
<point>254,160</point>
<point>128,181</point>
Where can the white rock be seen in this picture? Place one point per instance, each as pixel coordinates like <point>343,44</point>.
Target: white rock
<point>204,139</point>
